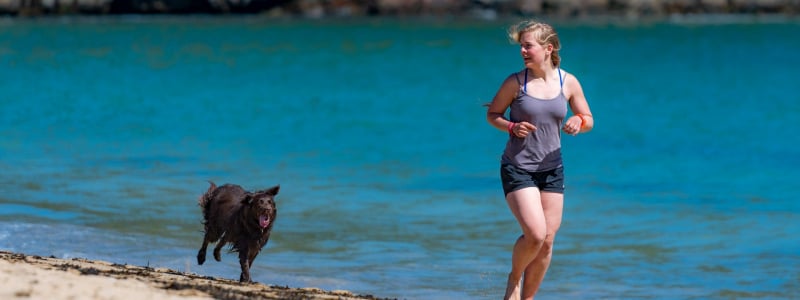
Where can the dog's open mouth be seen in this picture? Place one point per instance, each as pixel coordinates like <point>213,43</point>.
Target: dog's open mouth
<point>263,221</point>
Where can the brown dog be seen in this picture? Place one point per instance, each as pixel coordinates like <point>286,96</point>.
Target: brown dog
<point>244,219</point>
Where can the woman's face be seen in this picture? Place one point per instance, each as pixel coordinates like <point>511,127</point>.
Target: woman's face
<point>532,52</point>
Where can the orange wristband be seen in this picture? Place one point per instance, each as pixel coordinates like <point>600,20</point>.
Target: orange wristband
<point>511,127</point>
<point>583,121</point>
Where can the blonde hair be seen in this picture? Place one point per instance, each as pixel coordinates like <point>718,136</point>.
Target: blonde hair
<point>543,33</point>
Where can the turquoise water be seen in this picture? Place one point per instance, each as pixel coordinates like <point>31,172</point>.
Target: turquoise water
<point>376,133</point>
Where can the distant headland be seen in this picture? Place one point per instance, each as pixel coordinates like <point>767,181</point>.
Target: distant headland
<point>483,9</point>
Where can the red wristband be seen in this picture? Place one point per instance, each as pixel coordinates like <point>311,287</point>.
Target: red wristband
<point>511,127</point>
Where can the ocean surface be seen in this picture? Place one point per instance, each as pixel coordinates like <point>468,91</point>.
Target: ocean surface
<point>110,128</point>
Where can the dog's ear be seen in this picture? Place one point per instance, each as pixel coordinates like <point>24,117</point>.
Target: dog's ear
<point>211,187</point>
<point>274,190</point>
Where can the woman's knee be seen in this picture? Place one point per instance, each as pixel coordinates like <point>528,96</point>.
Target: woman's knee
<point>547,243</point>
<point>534,239</point>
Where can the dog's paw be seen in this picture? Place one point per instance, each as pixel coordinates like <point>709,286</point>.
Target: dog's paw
<point>201,257</point>
<point>217,256</point>
<point>245,279</point>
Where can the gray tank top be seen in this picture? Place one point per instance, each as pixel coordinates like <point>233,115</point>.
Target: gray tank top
<point>540,150</point>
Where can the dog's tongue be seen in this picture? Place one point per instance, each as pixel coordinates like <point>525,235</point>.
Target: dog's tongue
<point>263,221</point>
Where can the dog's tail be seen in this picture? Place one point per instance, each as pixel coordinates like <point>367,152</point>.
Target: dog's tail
<point>205,199</point>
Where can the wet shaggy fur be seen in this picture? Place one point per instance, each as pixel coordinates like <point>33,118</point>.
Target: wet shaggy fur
<point>244,219</point>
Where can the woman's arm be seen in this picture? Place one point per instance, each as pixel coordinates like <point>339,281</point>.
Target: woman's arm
<point>505,95</point>
<point>582,120</point>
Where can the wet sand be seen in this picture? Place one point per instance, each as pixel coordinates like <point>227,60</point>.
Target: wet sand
<point>35,277</point>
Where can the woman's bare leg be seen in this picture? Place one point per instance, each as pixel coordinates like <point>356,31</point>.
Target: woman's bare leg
<point>553,207</point>
<point>526,205</point>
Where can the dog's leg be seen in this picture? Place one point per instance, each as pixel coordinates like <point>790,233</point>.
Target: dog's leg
<point>219,246</point>
<point>252,256</point>
<point>245,264</point>
<point>201,255</point>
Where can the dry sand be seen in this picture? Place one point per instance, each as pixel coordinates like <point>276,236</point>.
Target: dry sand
<point>35,277</point>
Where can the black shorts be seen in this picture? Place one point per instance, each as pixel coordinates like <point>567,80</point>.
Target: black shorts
<point>515,178</point>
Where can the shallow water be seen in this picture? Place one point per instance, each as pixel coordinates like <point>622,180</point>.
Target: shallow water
<point>388,170</point>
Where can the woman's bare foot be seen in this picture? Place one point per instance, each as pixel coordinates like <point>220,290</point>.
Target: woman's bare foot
<point>512,289</point>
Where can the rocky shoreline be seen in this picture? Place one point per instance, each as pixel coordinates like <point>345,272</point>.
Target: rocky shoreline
<point>483,9</point>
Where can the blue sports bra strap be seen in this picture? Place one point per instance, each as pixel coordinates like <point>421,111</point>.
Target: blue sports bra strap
<point>525,83</point>
<point>560,80</point>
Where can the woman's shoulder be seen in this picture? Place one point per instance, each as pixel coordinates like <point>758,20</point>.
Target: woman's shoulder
<point>516,74</point>
<point>571,84</point>
<point>512,79</point>
<point>565,73</point>
<point>568,77</point>
<point>516,77</point>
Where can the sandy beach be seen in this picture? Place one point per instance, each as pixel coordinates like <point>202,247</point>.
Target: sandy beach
<point>35,277</point>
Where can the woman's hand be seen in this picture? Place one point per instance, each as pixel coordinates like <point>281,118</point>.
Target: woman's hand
<point>522,129</point>
<point>573,125</point>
